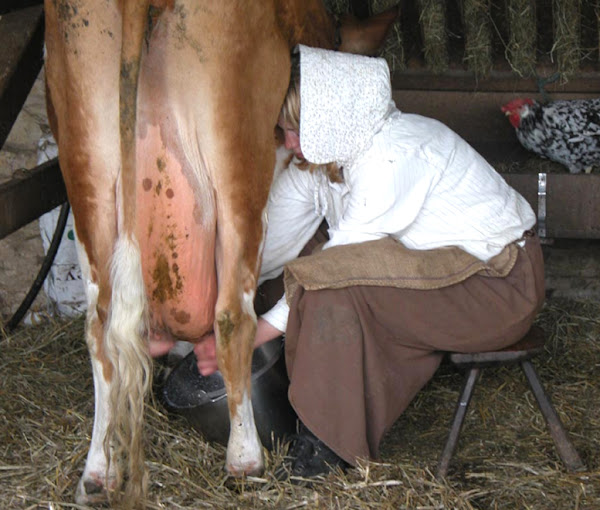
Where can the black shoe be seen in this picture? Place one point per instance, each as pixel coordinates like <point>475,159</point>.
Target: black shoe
<point>311,457</point>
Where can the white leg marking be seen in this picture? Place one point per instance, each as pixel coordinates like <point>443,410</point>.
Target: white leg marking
<point>92,485</point>
<point>248,304</point>
<point>91,488</point>
<point>244,451</point>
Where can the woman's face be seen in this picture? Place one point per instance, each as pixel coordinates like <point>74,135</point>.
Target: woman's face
<point>292,139</point>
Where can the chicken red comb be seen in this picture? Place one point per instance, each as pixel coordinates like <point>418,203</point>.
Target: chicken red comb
<point>516,104</point>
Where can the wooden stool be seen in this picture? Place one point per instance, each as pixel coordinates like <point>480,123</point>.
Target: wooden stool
<point>521,352</point>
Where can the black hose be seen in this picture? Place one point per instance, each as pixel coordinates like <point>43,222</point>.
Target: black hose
<point>43,272</point>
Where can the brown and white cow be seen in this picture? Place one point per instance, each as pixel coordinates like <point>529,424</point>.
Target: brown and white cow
<point>164,112</point>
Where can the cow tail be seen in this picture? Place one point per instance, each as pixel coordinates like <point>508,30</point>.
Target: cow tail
<point>126,334</point>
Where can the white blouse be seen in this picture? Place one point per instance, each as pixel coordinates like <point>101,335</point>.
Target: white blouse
<point>418,181</point>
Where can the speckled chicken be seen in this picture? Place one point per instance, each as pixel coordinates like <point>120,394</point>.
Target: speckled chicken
<point>565,131</point>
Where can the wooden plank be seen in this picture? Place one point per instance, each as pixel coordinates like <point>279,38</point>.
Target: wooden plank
<point>572,206</point>
<point>573,209</point>
<point>21,42</point>
<point>26,198</point>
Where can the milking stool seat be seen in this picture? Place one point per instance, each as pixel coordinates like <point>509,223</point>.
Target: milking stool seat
<point>521,352</point>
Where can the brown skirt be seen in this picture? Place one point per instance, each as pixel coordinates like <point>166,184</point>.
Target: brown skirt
<point>357,356</point>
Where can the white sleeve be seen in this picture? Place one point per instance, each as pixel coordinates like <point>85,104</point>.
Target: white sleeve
<point>292,220</point>
<point>385,196</point>
<point>278,315</point>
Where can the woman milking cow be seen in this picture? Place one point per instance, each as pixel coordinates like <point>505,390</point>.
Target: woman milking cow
<point>427,250</point>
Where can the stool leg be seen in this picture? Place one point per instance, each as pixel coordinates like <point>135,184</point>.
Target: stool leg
<point>565,449</point>
<point>457,421</point>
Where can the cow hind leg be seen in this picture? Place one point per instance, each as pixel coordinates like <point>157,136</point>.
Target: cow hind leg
<point>97,475</point>
<point>244,450</point>
<point>242,188</point>
<point>235,326</point>
<point>122,371</point>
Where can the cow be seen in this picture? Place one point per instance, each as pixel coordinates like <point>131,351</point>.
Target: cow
<point>164,113</point>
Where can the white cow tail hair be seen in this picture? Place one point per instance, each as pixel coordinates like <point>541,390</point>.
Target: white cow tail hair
<point>127,350</point>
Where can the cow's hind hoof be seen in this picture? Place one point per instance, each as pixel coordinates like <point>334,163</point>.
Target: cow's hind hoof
<point>90,491</point>
<point>247,469</point>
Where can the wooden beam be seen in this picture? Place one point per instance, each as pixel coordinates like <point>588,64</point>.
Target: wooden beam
<point>21,42</point>
<point>24,199</point>
<point>418,78</point>
<point>572,208</point>
<point>16,5</point>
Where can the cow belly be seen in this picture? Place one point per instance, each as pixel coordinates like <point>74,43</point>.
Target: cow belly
<point>176,231</point>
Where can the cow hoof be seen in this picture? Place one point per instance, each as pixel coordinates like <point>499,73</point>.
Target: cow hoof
<point>91,491</point>
<point>252,468</point>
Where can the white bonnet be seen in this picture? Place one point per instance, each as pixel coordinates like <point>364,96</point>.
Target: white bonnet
<point>344,99</point>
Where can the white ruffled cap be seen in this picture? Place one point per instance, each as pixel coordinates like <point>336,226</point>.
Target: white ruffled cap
<point>344,100</point>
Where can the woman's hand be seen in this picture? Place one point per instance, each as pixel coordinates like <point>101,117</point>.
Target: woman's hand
<point>160,344</point>
<point>206,348</point>
<point>206,354</point>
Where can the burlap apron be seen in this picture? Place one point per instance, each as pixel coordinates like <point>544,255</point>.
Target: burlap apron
<point>388,263</point>
<point>368,324</point>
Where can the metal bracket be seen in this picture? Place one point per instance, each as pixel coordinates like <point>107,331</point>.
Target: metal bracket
<point>541,214</point>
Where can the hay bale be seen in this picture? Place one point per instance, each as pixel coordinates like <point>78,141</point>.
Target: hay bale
<point>522,37</point>
<point>432,20</point>
<point>393,48</point>
<point>478,37</point>
<point>566,49</point>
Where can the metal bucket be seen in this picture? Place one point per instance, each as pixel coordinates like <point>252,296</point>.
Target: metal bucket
<point>203,400</point>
